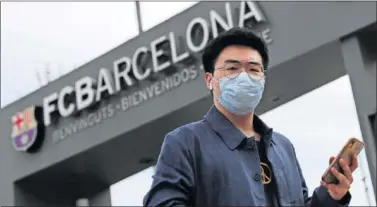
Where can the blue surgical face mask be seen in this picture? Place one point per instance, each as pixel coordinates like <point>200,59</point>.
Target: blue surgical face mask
<point>240,95</point>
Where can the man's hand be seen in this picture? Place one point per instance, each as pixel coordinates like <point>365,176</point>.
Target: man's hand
<point>338,191</point>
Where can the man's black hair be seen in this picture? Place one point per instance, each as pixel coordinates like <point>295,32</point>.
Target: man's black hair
<point>234,36</point>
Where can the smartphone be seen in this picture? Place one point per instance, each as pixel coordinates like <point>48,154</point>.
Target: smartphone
<point>352,146</point>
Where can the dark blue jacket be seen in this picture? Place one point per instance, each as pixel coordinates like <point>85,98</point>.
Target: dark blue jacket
<point>208,163</point>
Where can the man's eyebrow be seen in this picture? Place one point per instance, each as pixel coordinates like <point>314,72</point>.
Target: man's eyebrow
<point>232,61</point>
<point>254,63</point>
<point>237,61</point>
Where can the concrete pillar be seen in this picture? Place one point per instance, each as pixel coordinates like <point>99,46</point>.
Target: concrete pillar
<point>360,64</point>
<point>24,196</point>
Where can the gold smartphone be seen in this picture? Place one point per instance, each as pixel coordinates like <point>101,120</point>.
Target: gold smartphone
<point>352,147</point>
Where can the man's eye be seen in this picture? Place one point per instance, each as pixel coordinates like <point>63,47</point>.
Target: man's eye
<point>254,70</point>
<point>232,68</point>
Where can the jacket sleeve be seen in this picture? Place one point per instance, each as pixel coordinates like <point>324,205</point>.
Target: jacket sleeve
<point>173,181</point>
<point>320,195</point>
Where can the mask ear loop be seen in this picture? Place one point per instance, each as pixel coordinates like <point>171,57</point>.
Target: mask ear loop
<point>211,83</point>
<point>211,88</point>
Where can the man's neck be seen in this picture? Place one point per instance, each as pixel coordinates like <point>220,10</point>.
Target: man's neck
<point>243,123</point>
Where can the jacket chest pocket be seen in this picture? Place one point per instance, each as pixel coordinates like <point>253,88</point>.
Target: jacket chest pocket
<point>295,182</point>
<point>287,176</point>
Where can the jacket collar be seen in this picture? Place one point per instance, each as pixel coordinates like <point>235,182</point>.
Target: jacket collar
<point>232,136</point>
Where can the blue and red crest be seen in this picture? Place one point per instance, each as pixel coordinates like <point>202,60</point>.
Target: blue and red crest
<point>28,129</point>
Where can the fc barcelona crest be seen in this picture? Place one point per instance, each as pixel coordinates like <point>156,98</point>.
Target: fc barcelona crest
<point>28,129</point>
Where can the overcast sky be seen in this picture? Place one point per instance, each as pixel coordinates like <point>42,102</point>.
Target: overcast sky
<point>65,35</point>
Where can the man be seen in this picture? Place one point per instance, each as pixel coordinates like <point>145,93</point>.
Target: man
<point>232,158</point>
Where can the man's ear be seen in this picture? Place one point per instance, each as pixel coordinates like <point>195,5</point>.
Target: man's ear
<point>208,79</point>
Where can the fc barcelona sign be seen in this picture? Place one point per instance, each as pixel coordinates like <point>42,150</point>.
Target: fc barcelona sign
<point>28,129</point>
<point>161,65</point>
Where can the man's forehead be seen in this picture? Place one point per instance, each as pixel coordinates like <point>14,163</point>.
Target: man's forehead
<point>249,59</point>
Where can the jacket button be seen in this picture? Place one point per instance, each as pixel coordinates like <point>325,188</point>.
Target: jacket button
<point>257,177</point>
